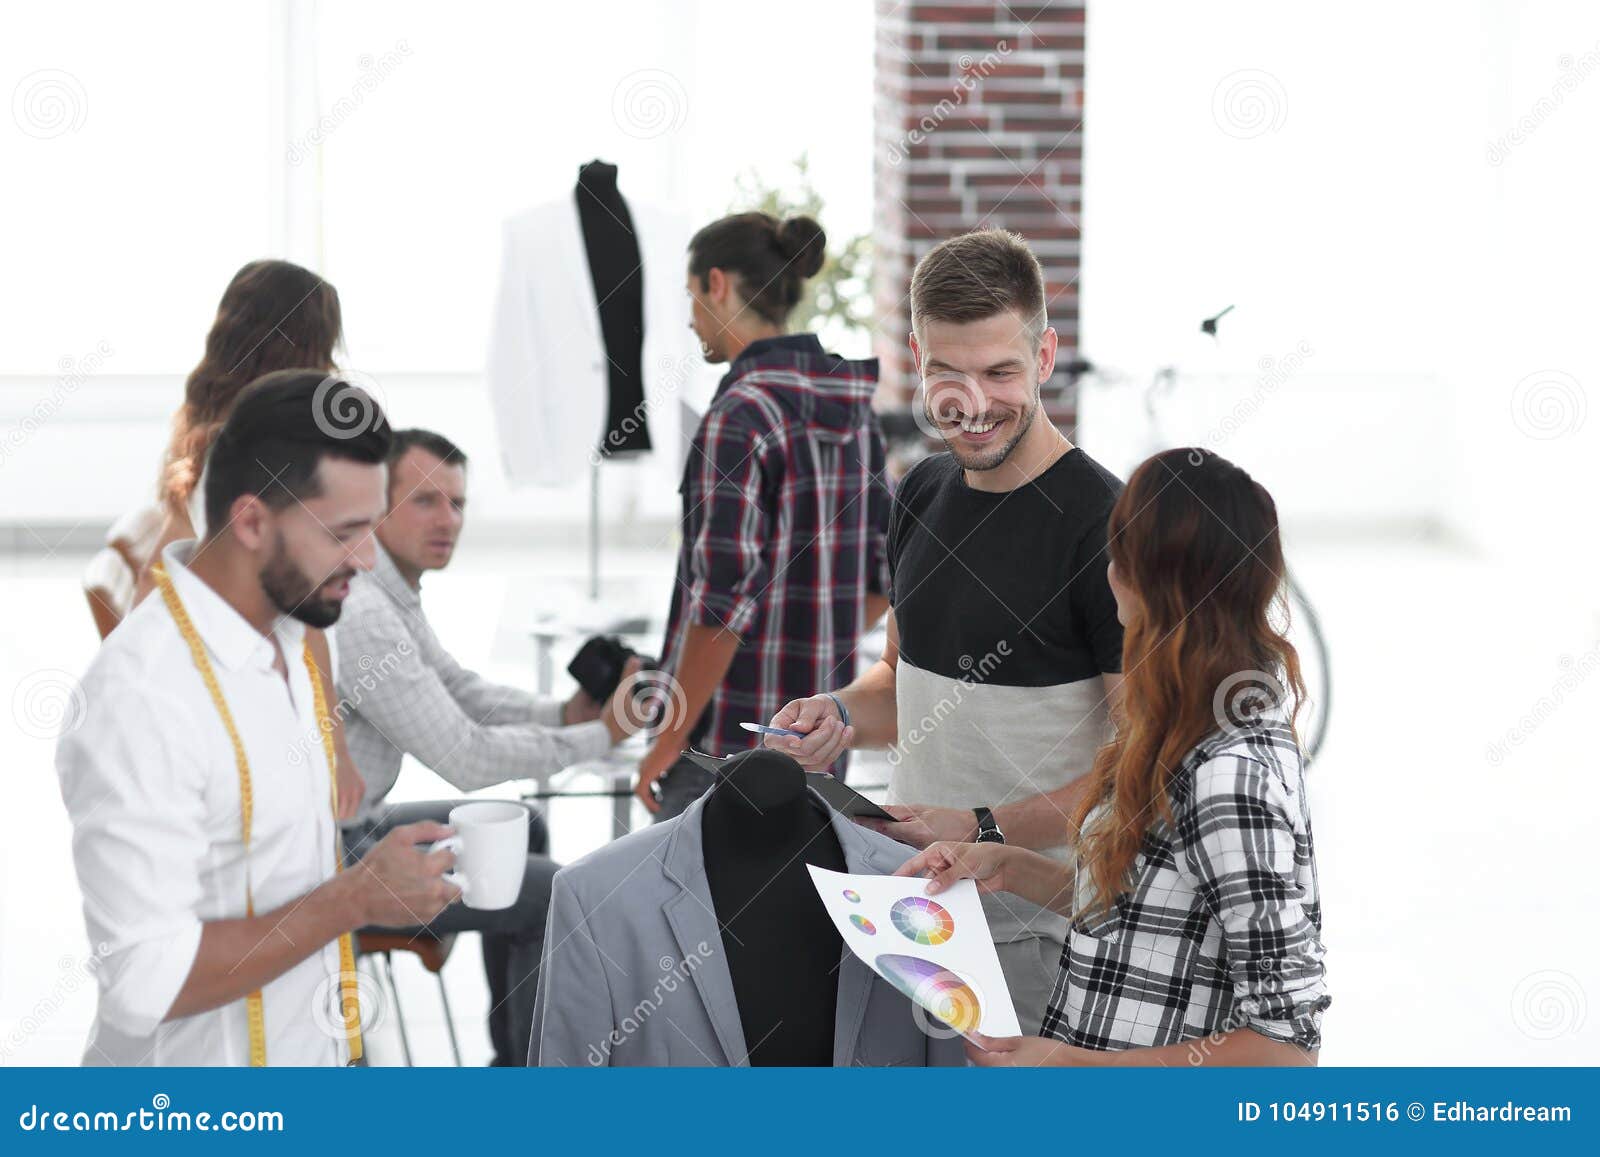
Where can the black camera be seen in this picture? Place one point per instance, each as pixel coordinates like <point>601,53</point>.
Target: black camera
<point>598,665</point>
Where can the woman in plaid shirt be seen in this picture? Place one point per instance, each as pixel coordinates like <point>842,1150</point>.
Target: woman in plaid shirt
<point>1196,926</point>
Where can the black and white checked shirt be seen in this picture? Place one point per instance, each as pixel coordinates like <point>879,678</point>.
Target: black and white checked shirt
<point>1221,928</point>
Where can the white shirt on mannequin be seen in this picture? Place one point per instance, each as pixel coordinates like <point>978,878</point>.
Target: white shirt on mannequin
<point>546,367</point>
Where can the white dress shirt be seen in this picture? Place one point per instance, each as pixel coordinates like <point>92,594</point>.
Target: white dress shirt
<point>152,789</point>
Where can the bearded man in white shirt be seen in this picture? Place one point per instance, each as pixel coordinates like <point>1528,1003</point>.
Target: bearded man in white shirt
<point>205,842</point>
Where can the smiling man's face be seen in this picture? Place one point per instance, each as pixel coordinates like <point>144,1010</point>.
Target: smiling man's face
<point>313,547</point>
<point>980,383</point>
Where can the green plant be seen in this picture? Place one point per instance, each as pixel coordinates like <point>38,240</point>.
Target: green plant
<point>838,300</point>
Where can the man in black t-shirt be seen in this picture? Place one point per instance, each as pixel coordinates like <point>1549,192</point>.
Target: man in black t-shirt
<point>1003,642</point>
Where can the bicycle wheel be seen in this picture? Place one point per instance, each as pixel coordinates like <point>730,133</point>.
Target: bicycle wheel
<point>1316,668</point>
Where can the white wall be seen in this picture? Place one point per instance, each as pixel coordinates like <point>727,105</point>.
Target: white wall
<point>383,144</point>
<point>1327,171</point>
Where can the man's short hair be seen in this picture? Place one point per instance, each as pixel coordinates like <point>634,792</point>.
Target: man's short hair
<point>279,431</point>
<point>977,275</point>
<point>436,444</point>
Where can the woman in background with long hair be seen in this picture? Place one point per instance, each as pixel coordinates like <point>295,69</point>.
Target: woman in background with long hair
<point>274,315</point>
<point>1196,924</point>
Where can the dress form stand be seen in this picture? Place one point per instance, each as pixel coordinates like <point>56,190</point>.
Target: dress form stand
<point>761,828</point>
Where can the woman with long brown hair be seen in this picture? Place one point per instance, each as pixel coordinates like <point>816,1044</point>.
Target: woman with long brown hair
<point>1196,924</point>
<point>274,315</point>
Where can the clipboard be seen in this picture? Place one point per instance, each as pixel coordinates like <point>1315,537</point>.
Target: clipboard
<point>844,799</point>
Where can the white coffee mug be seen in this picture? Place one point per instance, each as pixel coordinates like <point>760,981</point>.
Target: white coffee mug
<point>491,847</point>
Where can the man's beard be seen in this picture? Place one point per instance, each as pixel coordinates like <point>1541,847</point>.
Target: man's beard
<point>990,458</point>
<point>293,594</point>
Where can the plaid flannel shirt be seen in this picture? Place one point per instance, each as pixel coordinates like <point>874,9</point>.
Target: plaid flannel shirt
<point>785,512</point>
<point>1222,926</point>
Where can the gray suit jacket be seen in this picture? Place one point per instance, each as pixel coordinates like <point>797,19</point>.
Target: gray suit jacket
<point>634,971</point>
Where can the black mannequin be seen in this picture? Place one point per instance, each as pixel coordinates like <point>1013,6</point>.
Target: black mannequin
<point>761,828</point>
<point>616,269</point>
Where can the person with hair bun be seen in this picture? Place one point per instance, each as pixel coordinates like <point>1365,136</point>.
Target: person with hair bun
<point>782,566</point>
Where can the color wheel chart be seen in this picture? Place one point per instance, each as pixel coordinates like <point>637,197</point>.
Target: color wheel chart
<point>922,921</point>
<point>942,992</point>
<point>935,950</point>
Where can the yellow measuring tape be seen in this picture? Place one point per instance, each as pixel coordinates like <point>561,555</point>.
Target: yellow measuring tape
<point>349,999</point>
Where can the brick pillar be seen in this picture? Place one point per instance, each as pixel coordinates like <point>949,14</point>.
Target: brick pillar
<point>978,122</point>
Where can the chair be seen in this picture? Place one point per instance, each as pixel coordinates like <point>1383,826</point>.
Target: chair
<point>134,536</point>
<point>433,951</point>
<point>112,576</point>
<point>108,584</point>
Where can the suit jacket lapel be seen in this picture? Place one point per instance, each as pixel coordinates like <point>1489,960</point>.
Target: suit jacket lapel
<point>855,978</point>
<point>694,923</point>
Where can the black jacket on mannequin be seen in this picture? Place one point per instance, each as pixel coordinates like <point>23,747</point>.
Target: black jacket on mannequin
<point>761,828</point>
<point>617,271</point>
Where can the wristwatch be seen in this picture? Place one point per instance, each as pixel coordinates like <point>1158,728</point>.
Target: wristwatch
<point>988,831</point>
